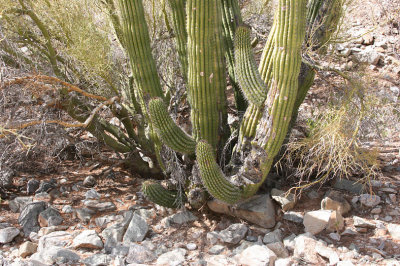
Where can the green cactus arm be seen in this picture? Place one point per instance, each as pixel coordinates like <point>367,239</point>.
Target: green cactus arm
<point>161,196</point>
<point>179,26</point>
<point>206,71</point>
<point>249,79</point>
<point>137,41</point>
<point>212,176</point>
<point>170,134</point>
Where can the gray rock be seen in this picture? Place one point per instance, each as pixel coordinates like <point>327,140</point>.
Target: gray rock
<point>257,256</point>
<point>88,239</point>
<point>17,204</point>
<point>151,214</point>
<point>56,255</point>
<point>215,250</point>
<point>233,234</point>
<point>172,258</point>
<point>27,248</point>
<point>84,214</point>
<point>32,186</point>
<point>104,220</point>
<point>212,237</point>
<point>92,194</point>
<point>272,237</point>
<point>295,217</point>
<point>46,186</point>
<point>334,236</point>
<point>361,222</point>
<point>67,209</point>
<point>28,217</point>
<point>368,55</point>
<point>98,260</point>
<point>50,217</point>
<point>287,201</point>
<point>179,218</point>
<point>136,230</point>
<point>89,181</point>
<point>114,233</point>
<point>349,185</point>
<point>6,177</point>
<point>289,242</point>
<point>259,210</point>
<point>100,206</point>
<point>47,230</point>
<point>8,234</point>
<point>349,232</point>
<point>370,200</point>
<point>394,231</point>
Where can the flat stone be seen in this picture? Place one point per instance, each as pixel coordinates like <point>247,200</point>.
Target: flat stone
<point>179,218</point>
<point>27,248</point>
<point>233,234</point>
<point>136,230</point>
<point>54,239</point>
<point>279,249</point>
<point>28,217</point>
<point>284,262</point>
<point>257,256</point>
<point>173,258</point>
<point>139,254</point>
<point>98,260</point>
<point>56,255</point>
<point>317,221</point>
<point>394,231</point>
<point>8,234</point>
<point>361,222</point>
<point>50,217</point>
<point>349,232</point>
<point>17,204</point>
<point>334,201</point>
<point>295,217</point>
<point>100,206</point>
<point>103,221</point>
<point>50,229</point>
<point>272,237</point>
<point>259,210</point>
<point>286,200</point>
<point>334,236</point>
<point>349,185</point>
<point>370,200</point>
<point>88,239</point>
<point>92,194</point>
<point>215,250</point>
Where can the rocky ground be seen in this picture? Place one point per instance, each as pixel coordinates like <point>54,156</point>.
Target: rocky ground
<point>91,214</point>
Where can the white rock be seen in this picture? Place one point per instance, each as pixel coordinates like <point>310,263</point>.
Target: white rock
<point>67,209</point>
<point>284,262</point>
<point>191,246</point>
<point>257,256</point>
<point>394,231</point>
<point>88,239</point>
<point>361,222</point>
<point>316,221</point>
<point>8,234</point>
<point>305,248</point>
<point>172,258</point>
<point>327,252</point>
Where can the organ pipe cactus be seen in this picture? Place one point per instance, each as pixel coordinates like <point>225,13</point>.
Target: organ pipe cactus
<point>203,42</point>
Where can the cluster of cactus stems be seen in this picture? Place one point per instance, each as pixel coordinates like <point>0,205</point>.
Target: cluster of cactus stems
<point>206,33</point>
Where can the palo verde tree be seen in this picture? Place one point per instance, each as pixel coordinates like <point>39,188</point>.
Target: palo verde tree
<point>212,43</point>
